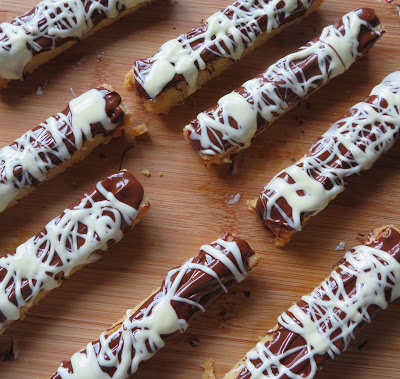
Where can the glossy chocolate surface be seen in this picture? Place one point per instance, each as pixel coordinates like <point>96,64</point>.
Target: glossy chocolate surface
<point>388,240</point>
<point>122,185</point>
<point>306,70</point>
<point>196,285</point>
<point>213,53</point>
<point>41,138</point>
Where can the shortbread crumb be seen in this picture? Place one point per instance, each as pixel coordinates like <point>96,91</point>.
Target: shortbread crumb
<point>139,130</point>
<point>209,369</point>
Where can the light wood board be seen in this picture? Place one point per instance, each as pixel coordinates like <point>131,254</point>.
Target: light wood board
<point>189,201</point>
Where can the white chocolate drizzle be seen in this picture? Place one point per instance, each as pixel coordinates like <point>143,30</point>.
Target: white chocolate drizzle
<point>331,315</point>
<point>32,153</point>
<point>143,331</point>
<point>233,122</point>
<point>52,20</point>
<point>351,145</point>
<point>225,34</point>
<point>77,237</point>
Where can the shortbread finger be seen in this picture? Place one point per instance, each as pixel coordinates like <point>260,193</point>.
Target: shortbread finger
<point>50,28</point>
<point>186,63</point>
<point>350,146</point>
<point>49,149</point>
<point>80,235</point>
<point>185,292</point>
<point>322,324</point>
<point>229,126</point>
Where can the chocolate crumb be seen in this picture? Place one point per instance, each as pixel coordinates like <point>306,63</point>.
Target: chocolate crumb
<point>103,155</point>
<point>362,345</point>
<point>293,159</point>
<point>8,351</point>
<point>194,342</point>
<point>300,119</point>
<point>247,293</point>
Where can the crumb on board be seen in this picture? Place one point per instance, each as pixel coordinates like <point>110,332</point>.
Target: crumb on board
<point>39,91</point>
<point>341,246</point>
<point>146,173</point>
<point>161,174</point>
<point>8,348</point>
<point>41,88</point>
<point>138,130</point>
<point>300,119</point>
<point>362,345</point>
<point>209,368</point>
<point>104,155</point>
<point>233,199</point>
<point>194,342</point>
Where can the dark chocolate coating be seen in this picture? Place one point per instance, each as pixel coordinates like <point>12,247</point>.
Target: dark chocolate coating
<point>212,53</point>
<point>284,340</point>
<point>196,285</point>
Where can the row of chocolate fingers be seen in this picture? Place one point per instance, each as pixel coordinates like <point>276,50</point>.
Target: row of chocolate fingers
<point>351,145</point>
<point>316,329</point>
<point>184,64</point>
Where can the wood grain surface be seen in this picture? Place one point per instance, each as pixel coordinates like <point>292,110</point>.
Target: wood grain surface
<point>189,201</point>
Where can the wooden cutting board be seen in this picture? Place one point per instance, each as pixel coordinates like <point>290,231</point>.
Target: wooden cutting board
<point>189,201</point>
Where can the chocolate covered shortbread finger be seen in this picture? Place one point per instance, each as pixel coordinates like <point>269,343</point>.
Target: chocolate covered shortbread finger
<point>230,126</point>
<point>80,235</point>
<point>350,146</point>
<point>49,149</point>
<point>186,63</point>
<point>321,325</point>
<point>50,28</point>
<point>185,292</point>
